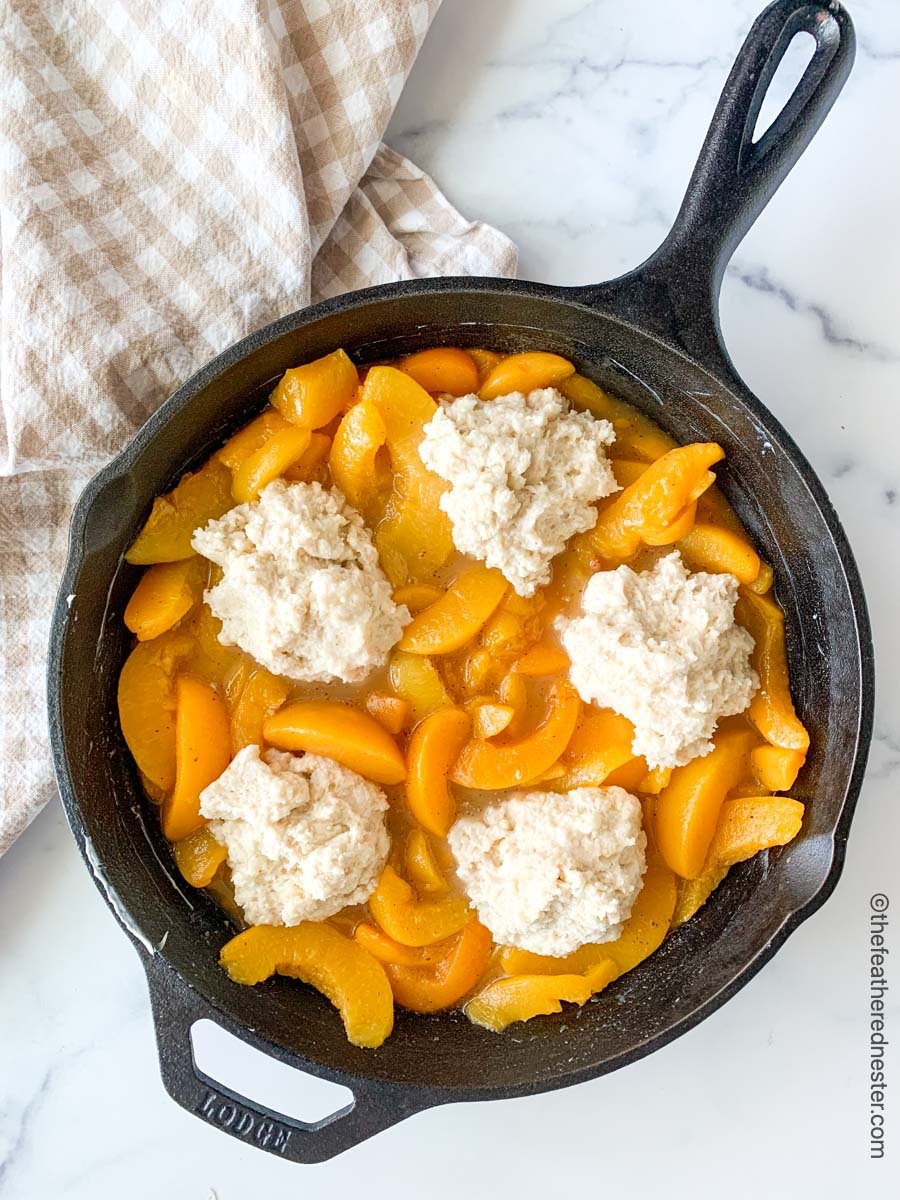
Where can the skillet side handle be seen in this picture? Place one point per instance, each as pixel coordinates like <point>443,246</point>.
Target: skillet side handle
<point>677,288</point>
<point>176,1007</point>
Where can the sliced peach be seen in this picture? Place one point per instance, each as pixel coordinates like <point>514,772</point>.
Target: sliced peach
<point>493,765</point>
<point>199,498</point>
<point>776,768</point>
<point>417,596</point>
<point>271,460</point>
<point>753,823</point>
<point>689,807</point>
<point>261,695</point>
<point>415,678</point>
<point>513,692</point>
<point>525,373</point>
<point>146,700</point>
<point>352,458</point>
<point>386,950</point>
<point>411,921</point>
<point>718,550</point>
<point>641,934</point>
<point>334,965</point>
<point>514,627</point>
<point>443,369</point>
<point>489,718</point>
<point>315,454</point>
<point>485,361</point>
<point>202,752</point>
<point>164,594</point>
<point>654,781</point>
<point>210,657</point>
<point>746,825</point>
<point>521,997</point>
<point>312,395</point>
<point>764,580</point>
<point>446,979</point>
<point>242,444</point>
<point>421,865</point>
<point>655,499</point>
<point>628,775</point>
<point>434,746</point>
<point>600,745</point>
<point>337,731</point>
<point>414,539</point>
<point>393,712</point>
<point>458,615</point>
<point>544,658</point>
<point>771,709</point>
<point>679,528</point>
<point>198,857</point>
<point>601,975</point>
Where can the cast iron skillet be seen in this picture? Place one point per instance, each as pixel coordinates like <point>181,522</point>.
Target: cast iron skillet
<point>652,337</point>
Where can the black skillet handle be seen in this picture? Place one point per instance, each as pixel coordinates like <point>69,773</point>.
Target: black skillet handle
<point>677,288</point>
<point>175,1009</point>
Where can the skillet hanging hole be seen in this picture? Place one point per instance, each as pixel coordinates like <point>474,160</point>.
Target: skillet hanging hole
<point>787,77</point>
<point>234,1068</point>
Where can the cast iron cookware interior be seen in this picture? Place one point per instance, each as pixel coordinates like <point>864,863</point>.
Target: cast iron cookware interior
<point>651,337</point>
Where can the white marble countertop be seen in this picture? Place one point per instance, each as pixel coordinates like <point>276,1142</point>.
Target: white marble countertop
<point>572,125</point>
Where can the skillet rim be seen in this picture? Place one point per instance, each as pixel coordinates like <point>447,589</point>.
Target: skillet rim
<point>422,1096</point>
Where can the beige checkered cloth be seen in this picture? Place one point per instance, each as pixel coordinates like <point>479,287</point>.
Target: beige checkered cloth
<point>173,175</point>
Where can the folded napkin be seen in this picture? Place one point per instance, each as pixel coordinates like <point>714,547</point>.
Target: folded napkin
<point>173,176</point>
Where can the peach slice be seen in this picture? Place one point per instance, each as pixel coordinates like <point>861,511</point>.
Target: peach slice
<point>338,967</point>
<point>446,978</point>
<point>421,864</point>
<point>434,746</point>
<point>488,717</point>
<point>282,450</point>
<point>776,768</point>
<point>655,499</point>
<point>679,529</point>
<point>600,745</point>
<point>771,709</point>
<point>261,695</point>
<point>198,857</point>
<point>521,997</point>
<point>458,615</point>
<point>200,497</point>
<point>164,594</point>
<point>415,678</point>
<point>315,454</point>
<point>525,373</point>
<point>202,752</point>
<point>443,369</point>
<point>242,444</point>
<point>411,921</point>
<point>386,950</point>
<point>544,658</point>
<point>717,550</point>
<point>485,361</point>
<point>689,807</point>
<point>393,712</point>
<point>146,700</point>
<point>417,596</point>
<point>764,580</point>
<point>490,766</point>
<point>746,825</point>
<point>337,731</point>
<point>414,539</point>
<point>312,395</point>
<point>352,458</point>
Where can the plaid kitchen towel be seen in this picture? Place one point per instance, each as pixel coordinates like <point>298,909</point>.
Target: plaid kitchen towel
<point>174,175</point>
